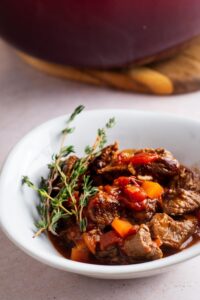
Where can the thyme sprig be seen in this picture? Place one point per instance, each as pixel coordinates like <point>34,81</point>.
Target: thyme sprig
<point>65,203</point>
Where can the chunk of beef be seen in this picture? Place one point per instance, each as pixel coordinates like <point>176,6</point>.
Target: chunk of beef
<point>102,209</point>
<point>71,234</point>
<point>179,201</point>
<point>115,171</point>
<point>146,215</point>
<point>172,233</point>
<point>164,168</point>
<point>106,157</point>
<point>186,179</point>
<point>108,174</point>
<point>103,169</point>
<point>141,247</point>
<point>111,256</point>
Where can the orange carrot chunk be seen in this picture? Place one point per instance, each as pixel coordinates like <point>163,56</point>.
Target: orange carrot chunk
<point>80,253</point>
<point>123,227</point>
<point>152,189</point>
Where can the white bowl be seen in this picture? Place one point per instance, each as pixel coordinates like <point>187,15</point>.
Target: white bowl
<point>31,155</point>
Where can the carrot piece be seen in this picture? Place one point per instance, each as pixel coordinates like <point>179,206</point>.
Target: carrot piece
<point>152,189</point>
<point>80,253</point>
<point>123,227</point>
<point>90,241</point>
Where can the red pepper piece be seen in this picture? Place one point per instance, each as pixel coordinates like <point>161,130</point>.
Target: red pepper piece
<point>123,158</point>
<point>108,239</point>
<point>135,193</point>
<point>123,181</point>
<point>142,158</point>
<point>137,206</point>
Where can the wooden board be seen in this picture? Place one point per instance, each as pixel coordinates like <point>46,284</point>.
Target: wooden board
<point>176,75</point>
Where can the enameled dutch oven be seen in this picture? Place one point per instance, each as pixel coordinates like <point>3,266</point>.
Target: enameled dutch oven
<point>104,34</point>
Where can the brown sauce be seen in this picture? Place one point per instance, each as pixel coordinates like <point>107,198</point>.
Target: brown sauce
<point>65,250</point>
<point>60,246</point>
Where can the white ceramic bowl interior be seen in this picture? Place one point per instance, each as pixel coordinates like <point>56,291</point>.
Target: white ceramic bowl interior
<point>134,129</point>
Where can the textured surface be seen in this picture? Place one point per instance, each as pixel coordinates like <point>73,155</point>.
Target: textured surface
<point>28,98</point>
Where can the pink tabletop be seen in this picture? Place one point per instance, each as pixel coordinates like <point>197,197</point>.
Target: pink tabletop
<point>28,98</point>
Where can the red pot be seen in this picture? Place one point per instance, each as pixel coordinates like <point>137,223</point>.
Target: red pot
<point>92,33</point>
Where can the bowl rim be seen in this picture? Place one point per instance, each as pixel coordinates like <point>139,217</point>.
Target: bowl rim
<point>84,268</point>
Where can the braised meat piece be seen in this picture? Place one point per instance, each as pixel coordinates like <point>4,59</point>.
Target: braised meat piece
<point>109,250</point>
<point>162,169</point>
<point>111,256</point>
<point>186,179</point>
<point>106,157</point>
<point>71,234</point>
<point>102,209</point>
<point>141,247</point>
<point>180,201</point>
<point>114,171</point>
<point>146,215</point>
<point>104,168</point>
<point>172,233</point>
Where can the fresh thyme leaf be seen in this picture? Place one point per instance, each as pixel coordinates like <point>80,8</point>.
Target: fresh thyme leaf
<point>53,156</point>
<point>102,138</point>
<point>26,180</point>
<point>78,170</point>
<point>65,151</point>
<point>41,192</point>
<point>88,191</point>
<point>111,122</point>
<point>41,224</point>
<point>68,130</point>
<point>88,150</point>
<point>51,166</point>
<point>77,111</point>
<point>43,184</point>
<point>83,225</point>
<point>40,209</point>
<point>56,216</point>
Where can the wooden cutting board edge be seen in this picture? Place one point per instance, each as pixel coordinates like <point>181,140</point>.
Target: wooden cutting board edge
<point>176,75</point>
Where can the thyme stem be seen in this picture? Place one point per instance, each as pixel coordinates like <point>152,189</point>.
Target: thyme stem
<point>52,196</point>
